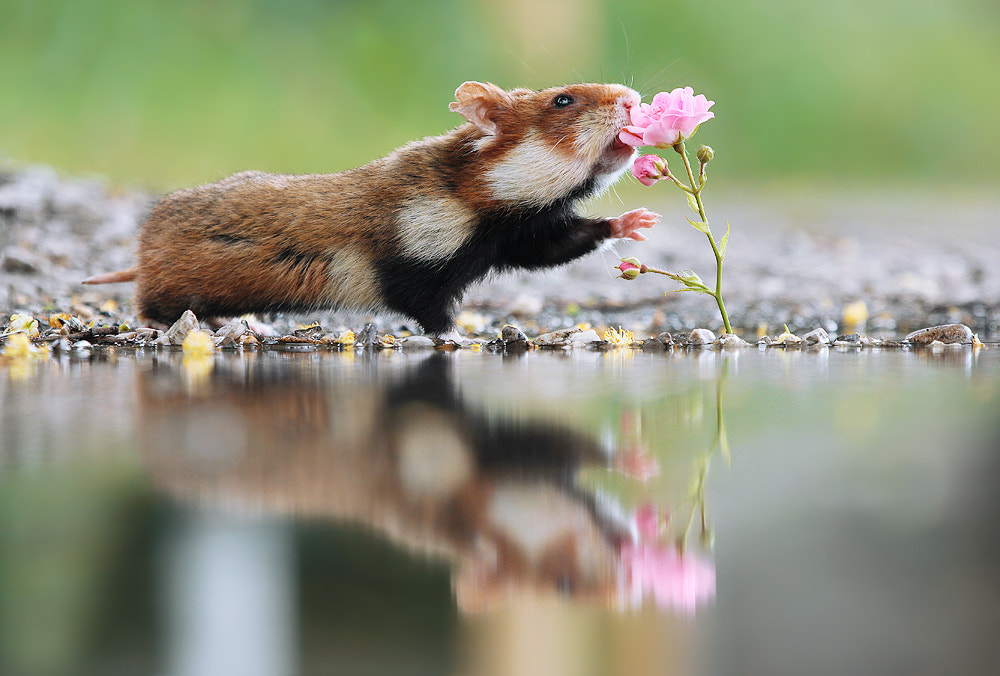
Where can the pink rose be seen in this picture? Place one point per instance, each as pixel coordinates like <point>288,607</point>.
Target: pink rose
<point>669,119</point>
<point>649,169</point>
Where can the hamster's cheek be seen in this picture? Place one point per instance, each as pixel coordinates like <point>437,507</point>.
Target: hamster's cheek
<point>536,172</point>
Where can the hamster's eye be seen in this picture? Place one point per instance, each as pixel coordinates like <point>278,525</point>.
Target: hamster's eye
<point>563,100</point>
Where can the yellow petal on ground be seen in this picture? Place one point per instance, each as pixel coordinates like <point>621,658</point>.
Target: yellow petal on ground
<point>56,321</point>
<point>23,323</point>
<point>346,338</point>
<point>198,343</point>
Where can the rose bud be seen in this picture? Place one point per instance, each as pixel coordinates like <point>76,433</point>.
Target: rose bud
<point>630,268</point>
<point>705,154</point>
<point>649,169</point>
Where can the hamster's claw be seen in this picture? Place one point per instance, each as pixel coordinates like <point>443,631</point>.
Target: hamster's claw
<point>628,224</point>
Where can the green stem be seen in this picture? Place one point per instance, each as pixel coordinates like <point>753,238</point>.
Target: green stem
<point>696,191</point>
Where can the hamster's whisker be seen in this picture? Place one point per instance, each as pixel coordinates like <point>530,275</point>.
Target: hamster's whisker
<point>556,145</point>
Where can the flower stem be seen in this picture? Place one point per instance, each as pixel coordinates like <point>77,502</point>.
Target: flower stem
<point>696,191</point>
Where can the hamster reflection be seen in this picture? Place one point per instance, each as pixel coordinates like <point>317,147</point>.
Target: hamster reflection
<point>496,497</point>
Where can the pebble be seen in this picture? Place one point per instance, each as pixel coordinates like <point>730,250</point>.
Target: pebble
<point>730,340</point>
<point>701,337</point>
<point>511,339</point>
<point>946,333</point>
<point>511,333</point>
<point>176,334</point>
<point>585,337</point>
<point>817,337</point>
<point>368,338</point>
<point>557,339</point>
<point>230,334</point>
<point>415,342</point>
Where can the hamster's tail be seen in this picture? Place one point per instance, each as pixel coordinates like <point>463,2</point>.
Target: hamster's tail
<point>112,277</point>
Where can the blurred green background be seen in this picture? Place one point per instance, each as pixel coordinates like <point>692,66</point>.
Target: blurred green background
<point>167,94</point>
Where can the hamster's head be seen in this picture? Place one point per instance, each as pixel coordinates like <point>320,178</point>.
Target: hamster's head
<point>539,147</point>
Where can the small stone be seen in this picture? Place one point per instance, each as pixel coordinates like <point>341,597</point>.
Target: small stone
<point>817,337</point>
<point>946,333</point>
<point>512,339</point>
<point>764,341</point>
<point>230,334</point>
<point>176,334</point>
<point>62,345</point>
<point>701,337</point>
<point>585,337</point>
<point>730,341</point>
<point>368,338</point>
<point>849,338</point>
<point>511,333</point>
<point>560,338</point>
<point>665,338</point>
<point>82,345</point>
<point>415,342</point>
<point>788,339</point>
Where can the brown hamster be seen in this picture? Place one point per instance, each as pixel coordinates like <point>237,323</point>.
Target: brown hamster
<point>407,232</point>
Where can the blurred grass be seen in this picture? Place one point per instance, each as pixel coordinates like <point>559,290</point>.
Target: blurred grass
<point>167,94</point>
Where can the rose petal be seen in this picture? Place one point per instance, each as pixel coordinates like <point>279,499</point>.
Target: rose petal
<point>631,136</point>
<point>660,134</point>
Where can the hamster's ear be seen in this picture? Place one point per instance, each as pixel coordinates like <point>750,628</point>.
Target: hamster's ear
<point>478,102</point>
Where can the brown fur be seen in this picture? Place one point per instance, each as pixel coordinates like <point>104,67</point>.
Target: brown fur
<point>258,241</point>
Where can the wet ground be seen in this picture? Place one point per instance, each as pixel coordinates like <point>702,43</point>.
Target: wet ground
<point>300,510</point>
<point>914,259</point>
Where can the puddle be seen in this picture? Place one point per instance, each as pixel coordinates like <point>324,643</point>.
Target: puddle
<point>561,513</point>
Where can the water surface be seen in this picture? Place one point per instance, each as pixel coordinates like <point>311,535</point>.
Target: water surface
<point>320,512</point>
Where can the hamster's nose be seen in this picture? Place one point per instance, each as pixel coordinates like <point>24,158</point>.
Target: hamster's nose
<point>630,100</point>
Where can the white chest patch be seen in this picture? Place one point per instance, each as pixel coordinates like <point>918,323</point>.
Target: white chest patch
<point>432,229</point>
<point>352,281</point>
<point>536,172</point>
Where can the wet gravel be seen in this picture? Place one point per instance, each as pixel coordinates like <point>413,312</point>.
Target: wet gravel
<point>878,265</point>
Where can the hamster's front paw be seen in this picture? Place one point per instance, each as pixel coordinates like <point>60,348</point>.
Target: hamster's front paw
<point>628,224</point>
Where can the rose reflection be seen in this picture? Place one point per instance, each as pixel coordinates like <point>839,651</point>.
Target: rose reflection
<point>497,497</point>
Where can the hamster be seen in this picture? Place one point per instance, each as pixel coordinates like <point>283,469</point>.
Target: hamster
<point>408,232</point>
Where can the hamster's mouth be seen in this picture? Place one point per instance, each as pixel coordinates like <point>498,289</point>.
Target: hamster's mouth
<point>617,153</point>
<point>618,144</point>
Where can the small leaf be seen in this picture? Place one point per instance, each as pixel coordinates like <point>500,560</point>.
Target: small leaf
<point>688,289</point>
<point>724,242</point>
<point>690,277</point>
<point>700,226</point>
<point>693,203</point>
